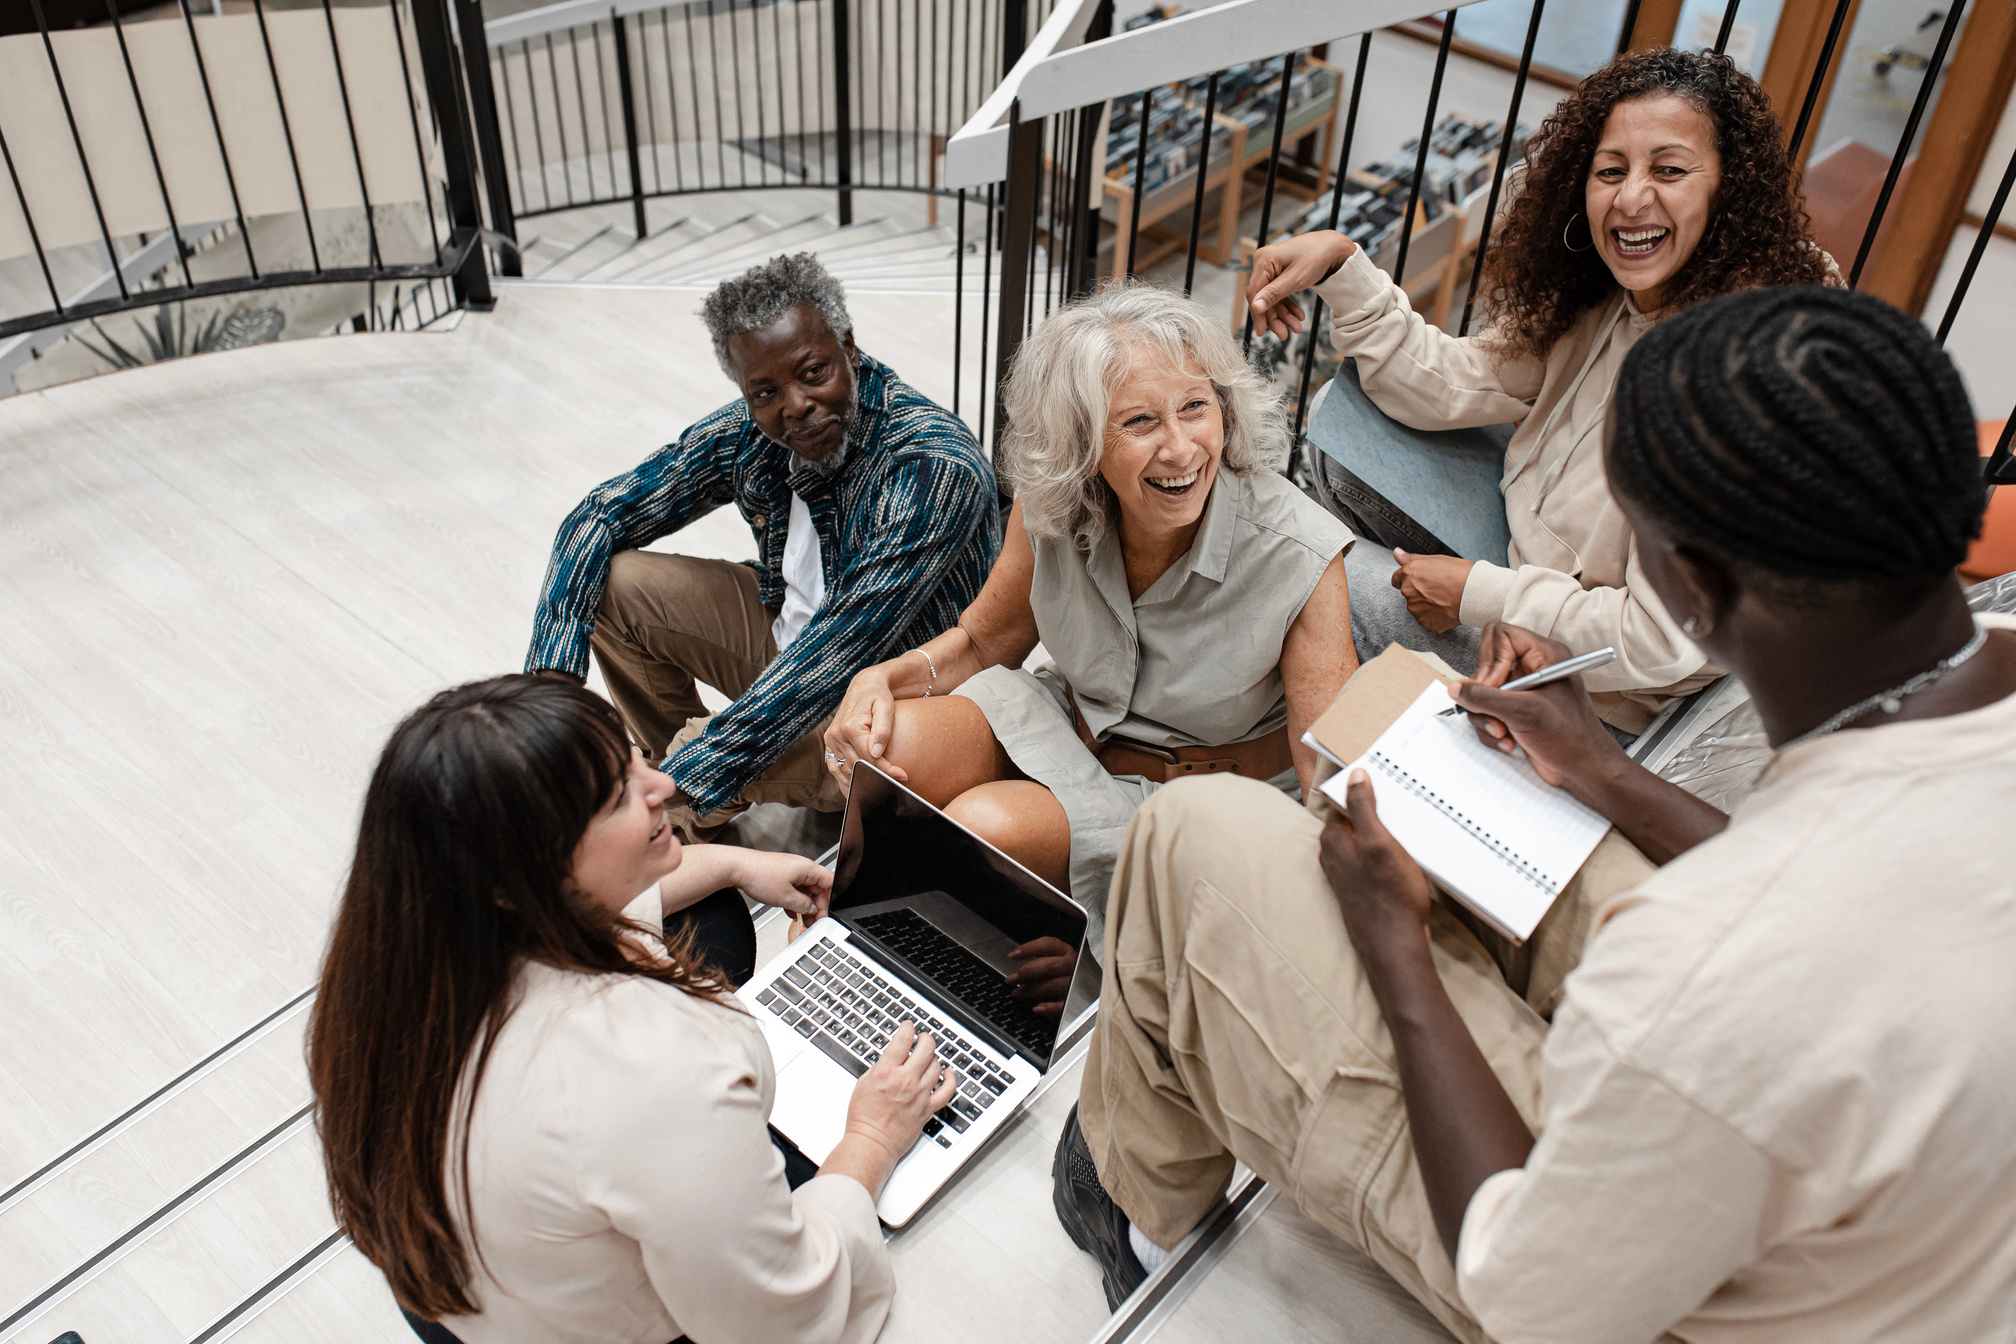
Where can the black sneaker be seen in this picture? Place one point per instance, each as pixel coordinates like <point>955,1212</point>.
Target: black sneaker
<point>1094,1222</point>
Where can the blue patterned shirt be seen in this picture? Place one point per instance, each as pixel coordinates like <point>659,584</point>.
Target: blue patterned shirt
<point>908,529</point>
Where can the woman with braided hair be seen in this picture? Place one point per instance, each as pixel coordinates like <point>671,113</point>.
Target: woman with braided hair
<point>1772,1100</point>
<point>1662,180</point>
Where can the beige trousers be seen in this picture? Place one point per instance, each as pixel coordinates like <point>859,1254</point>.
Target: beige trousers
<point>669,622</point>
<point>1236,1022</point>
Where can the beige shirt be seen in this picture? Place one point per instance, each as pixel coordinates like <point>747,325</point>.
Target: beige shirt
<point>1781,1088</point>
<point>625,1190</point>
<point>1573,571</point>
<point>1196,659</point>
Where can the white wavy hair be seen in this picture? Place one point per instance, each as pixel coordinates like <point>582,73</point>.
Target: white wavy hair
<point>1060,391</point>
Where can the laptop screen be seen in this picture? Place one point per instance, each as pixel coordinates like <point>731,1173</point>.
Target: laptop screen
<point>950,911</point>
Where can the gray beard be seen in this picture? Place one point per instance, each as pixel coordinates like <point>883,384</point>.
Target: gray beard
<point>829,465</point>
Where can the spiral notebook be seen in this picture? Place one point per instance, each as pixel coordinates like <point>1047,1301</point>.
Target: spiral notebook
<point>1484,824</point>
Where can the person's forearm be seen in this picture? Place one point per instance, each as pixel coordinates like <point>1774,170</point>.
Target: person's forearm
<point>1464,1126</point>
<point>950,654</point>
<point>863,1158</point>
<point>702,871</point>
<point>1662,819</point>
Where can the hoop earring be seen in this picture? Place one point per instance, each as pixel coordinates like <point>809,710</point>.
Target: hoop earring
<point>1564,234</point>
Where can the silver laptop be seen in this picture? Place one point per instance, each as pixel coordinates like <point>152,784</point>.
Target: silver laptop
<point>923,917</point>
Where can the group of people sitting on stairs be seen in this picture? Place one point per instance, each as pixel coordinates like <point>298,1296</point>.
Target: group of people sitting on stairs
<point>1745,1081</point>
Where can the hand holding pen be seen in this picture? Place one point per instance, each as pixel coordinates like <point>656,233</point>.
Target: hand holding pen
<point>1561,671</point>
<point>1542,714</point>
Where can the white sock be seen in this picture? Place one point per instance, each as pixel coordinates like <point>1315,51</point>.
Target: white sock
<point>1147,1252</point>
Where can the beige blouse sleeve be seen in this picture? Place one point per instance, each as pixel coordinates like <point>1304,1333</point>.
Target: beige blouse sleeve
<point>670,1143</point>
<point>1414,371</point>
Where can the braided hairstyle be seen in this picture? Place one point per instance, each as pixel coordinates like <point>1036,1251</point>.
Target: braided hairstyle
<point>1811,437</point>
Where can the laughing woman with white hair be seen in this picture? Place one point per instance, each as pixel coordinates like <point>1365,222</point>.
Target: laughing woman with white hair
<point>1192,603</point>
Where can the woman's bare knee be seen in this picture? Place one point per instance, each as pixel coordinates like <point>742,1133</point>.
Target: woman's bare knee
<point>1022,819</point>
<point>943,745</point>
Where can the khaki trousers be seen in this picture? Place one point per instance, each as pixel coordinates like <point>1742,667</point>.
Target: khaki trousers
<point>1236,1023</point>
<point>669,622</point>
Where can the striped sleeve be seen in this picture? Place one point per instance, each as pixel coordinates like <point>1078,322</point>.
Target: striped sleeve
<point>932,505</point>
<point>668,490</point>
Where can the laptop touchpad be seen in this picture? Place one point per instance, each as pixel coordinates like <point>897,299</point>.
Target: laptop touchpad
<point>811,1105</point>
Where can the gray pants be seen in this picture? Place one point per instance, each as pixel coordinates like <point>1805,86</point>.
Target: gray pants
<point>1379,614</point>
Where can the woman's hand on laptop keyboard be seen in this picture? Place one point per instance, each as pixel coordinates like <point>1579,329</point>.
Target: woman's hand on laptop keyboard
<point>788,881</point>
<point>890,1105</point>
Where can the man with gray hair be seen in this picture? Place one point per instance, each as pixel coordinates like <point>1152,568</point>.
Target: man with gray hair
<point>876,523</point>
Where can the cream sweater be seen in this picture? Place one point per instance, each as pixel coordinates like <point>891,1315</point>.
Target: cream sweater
<point>1572,570</point>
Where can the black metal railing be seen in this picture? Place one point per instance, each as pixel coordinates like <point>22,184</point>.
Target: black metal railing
<point>606,104</point>
<point>328,223</point>
<point>1051,237</point>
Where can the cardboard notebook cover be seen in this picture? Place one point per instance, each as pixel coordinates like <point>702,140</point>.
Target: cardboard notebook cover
<point>1375,697</point>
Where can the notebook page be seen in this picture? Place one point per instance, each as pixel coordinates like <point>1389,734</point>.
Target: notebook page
<point>1521,840</point>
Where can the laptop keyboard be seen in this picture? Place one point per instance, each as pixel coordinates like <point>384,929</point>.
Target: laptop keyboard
<point>849,1010</point>
<point>972,981</point>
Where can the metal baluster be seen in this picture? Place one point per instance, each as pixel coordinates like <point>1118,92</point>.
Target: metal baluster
<point>1421,155</point>
<point>1203,176</point>
<point>147,130</point>
<point>958,298</point>
<point>581,102</point>
<point>1273,166</point>
<point>538,134</point>
<point>986,297</point>
<point>714,71</point>
<point>777,44</point>
<point>510,129</point>
<point>432,31</point>
<point>930,151</point>
<point>693,87</point>
<point>798,50</point>
<point>1819,78</point>
<point>1055,188</point>
<point>1728,24</point>
<point>650,101</point>
<point>350,124</point>
<point>602,95</point>
<point>819,79</point>
<point>1140,178</point>
<point>560,122</point>
<point>756,64</point>
<point>419,146</point>
<point>1498,173</point>
<point>286,130</point>
<point>1630,23</point>
<point>671,101</point>
<point>1981,237</point>
<point>1315,324</point>
<point>217,129</point>
<point>1953,12</point>
<point>843,110</point>
<point>1018,223</point>
<point>34,237</point>
<point>83,162</point>
<point>626,90</point>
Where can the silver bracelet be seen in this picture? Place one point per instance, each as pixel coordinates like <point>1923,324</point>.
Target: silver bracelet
<point>932,664</point>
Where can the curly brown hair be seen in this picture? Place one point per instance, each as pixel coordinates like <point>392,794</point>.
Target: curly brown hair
<point>1538,287</point>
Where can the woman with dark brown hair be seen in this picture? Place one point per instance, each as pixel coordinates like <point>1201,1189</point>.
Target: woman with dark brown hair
<point>1662,180</point>
<point>543,1118</point>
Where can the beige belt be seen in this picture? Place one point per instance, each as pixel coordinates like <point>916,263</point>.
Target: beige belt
<point>1259,758</point>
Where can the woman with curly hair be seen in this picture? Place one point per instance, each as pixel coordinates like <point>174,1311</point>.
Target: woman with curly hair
<point>1661,181</point>
<point>1193,603</point>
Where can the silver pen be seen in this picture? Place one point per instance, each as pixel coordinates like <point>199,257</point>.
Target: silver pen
<point>1567,667</point>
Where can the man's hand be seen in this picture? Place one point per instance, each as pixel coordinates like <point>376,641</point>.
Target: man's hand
<point>1044,976</point>
<point>1433,587</point>
<point>1554,725</point>
<point>1284,269</point>
<point>1382,892</point>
